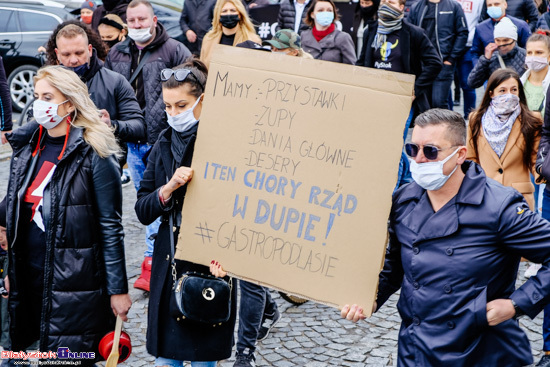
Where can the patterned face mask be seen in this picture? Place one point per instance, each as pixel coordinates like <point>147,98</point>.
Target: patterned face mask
<point>45,113</point>
<point>505,104</point>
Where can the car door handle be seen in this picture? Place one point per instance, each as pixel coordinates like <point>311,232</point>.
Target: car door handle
<point>7,42</point>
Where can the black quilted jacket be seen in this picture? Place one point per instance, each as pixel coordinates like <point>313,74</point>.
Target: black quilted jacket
<point>165,53</point>
<point>514,59</point>
<point>287,16</point>
<point>82,211</point>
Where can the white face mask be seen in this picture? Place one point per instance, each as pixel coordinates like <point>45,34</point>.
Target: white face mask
<point>45,113</point>
<point>536,63</point>
<point>429,175</point>
<point>185,120</point>
<point>140,35</point>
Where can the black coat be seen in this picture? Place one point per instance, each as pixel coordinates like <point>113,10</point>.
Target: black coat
<point>452,30</point>
<point>167,337</point>
<point>112,92</point>
<point>165,53</point>
<point>85,261</point>
<point>5,101</point>
<point>419,57</point>
<point>197,16</point>
<point>287,16</point>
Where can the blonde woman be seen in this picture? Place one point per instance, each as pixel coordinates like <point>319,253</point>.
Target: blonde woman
<point>112,30</point>
<point>64,205</point>
<point>231,25</point>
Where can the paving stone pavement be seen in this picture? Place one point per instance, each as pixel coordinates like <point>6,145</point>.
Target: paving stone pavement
<point>310,335</point>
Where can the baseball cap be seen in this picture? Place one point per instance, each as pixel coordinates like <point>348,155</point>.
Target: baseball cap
<point>285,38</point>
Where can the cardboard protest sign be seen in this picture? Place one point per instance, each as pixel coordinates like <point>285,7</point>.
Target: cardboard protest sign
<point>295,163</point>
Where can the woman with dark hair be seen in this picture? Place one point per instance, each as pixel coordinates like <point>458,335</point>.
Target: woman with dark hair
<point>504,135</point>
<point>161,194</point>
<point>324,41</point>
<point>366,14</point>
<point>94,39</point>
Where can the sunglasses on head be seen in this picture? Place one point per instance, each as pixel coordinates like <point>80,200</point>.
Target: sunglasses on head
<point>179,75</point>
<point>430,151</point>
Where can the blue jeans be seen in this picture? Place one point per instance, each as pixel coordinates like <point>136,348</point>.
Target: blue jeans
<point>465,67</point>
<point>255,302</point>
<point>441,86</point>
<point>136,165</point>
<point>161,361</point>
<point>546,320</point>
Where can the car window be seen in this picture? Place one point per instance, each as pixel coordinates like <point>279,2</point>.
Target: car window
<point>36,22</point>
<point>9,25</point>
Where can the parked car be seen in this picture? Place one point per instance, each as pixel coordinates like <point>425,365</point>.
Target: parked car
<point>26,25</point>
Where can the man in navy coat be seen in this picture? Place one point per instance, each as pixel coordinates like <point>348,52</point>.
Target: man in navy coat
<point>456,240</point>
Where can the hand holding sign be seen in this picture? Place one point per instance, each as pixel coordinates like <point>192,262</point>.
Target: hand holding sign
<point>180,178</point>
<point>288,192</point>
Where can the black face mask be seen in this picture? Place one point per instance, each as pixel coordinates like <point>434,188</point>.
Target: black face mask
<point>111,43</point>
<point>369,12</point>
<point>229,21</point>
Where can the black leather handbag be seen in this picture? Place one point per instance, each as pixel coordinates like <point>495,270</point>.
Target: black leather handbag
<point>199,297</point>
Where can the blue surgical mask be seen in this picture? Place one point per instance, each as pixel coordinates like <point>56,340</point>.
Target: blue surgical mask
<point>324,18</point>
<point>185,120</point>
<point>429,175</point>
<point>494,12</point>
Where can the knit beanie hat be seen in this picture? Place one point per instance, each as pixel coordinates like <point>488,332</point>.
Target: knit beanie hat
<point>88,5</point>
<point>506,29</point>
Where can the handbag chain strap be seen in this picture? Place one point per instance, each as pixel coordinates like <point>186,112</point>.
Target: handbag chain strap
<point>172,250</point>
<point>172,247</point>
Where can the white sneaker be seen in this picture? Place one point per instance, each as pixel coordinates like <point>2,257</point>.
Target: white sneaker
<point>532,270</point>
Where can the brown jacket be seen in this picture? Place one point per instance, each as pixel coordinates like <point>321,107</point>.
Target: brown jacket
<point>509,169</point>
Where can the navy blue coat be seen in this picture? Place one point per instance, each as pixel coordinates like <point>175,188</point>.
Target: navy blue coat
<point>449,264</point>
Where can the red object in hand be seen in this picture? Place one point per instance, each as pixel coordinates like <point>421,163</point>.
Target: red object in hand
<point>124,346</point>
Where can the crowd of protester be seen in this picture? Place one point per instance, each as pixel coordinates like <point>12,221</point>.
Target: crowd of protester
<point>117,91</point>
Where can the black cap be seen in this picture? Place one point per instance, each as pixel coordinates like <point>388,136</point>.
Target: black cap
<point>253,45</point>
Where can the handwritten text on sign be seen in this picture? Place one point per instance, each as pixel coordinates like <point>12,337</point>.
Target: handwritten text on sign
<point>282,193</point>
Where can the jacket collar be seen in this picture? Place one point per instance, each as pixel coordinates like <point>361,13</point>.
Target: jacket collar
<point>165,140</point>
<point>95,65</point>
<point>545,82</point>
<point>28,135</point>
<point>74,141</point>
<point>471,190</point>
<point>425,223</point>
<point>510,55</point>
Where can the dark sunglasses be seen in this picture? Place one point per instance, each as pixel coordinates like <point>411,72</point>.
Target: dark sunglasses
<point>179,74</point>
<point>430,151</point>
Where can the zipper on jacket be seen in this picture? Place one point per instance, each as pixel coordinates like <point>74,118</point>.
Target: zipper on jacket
<point>436,31</point>
<point>137,77</point>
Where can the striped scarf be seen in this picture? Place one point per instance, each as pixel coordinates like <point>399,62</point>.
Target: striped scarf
<point>390,20</point>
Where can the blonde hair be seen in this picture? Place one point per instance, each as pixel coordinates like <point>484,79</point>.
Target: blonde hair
<point>245,28</point>
<point>117,19</point>
<point>95,132</point>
